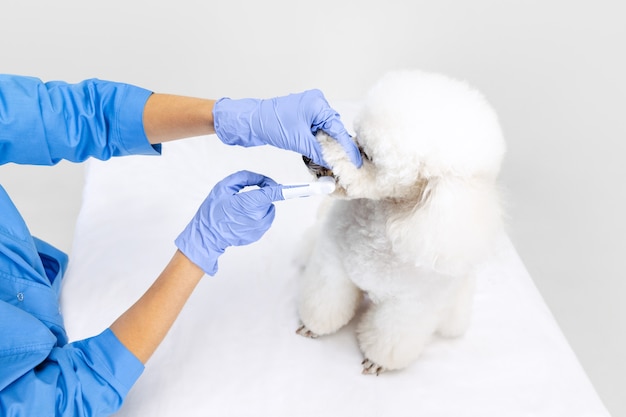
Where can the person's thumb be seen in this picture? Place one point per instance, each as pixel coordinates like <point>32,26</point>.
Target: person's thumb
<point>272,193</point>
<point>262,197</point>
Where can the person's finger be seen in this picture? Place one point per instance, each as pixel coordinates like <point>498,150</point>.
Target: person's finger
<point>262,197</point>
<point>328,119</point>
<point>336,130</point>
<point>273,193</point>
<point>239,180</point>
<point>314,151</point>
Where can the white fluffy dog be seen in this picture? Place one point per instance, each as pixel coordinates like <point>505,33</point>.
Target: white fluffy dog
<point>412,224</point>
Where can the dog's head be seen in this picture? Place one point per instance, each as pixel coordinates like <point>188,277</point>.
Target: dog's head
<point>412,128</point>
<point>433,145</point>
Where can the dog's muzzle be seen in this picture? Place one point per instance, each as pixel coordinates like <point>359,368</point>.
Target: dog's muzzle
<point>315,169</point>
<point>320,171</point>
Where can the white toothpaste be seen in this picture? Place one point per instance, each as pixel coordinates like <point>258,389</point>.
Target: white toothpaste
<point>323,185</point>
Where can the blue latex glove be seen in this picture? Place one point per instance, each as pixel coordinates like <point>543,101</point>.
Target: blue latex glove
<point>288,122</point>
<point>229,218</point>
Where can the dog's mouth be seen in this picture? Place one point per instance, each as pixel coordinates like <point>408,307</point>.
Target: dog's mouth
<point>317,170</point>
<point>321,171</point>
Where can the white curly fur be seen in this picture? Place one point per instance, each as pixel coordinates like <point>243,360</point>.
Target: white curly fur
<point>411,225</point>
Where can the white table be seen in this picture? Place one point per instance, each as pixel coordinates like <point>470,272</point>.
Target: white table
<point>234,351</point>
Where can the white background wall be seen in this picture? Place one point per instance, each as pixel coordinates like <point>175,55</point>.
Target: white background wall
<point>554,71</point>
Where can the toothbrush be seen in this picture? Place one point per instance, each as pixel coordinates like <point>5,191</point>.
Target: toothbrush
<point>323,185</point>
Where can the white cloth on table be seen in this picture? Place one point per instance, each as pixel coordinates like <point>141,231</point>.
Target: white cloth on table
<point>234,351</point>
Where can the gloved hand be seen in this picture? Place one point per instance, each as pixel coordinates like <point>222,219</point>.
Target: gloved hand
<point>288,122</point>
<point>228,218</point>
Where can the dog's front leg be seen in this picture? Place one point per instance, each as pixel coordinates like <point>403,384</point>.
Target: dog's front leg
<point>393,333</point>
<point>327,299</point>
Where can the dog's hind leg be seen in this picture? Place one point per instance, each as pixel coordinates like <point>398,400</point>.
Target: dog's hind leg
<point>327,299</point>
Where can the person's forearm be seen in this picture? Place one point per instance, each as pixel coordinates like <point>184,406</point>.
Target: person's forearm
<point>168,117</point>
<point>144,326</point>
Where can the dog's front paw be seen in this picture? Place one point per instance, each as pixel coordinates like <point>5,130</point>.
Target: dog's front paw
<point>304,331</point>
<point>371,368</point>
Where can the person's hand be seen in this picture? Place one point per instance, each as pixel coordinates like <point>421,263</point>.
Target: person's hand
<point>288,122</point>
<point>229,218</point>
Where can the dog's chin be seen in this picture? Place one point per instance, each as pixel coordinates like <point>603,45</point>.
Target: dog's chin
<point>340,193</point>
<point>409,194</point>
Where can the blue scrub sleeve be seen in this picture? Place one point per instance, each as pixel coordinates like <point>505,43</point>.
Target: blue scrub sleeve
<point>85,378</point>
<point>43,123</point>
<point>40,374</point>
<point>25,342</point>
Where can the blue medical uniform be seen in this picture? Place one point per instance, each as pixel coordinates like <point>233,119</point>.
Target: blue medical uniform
<point>41,374</point>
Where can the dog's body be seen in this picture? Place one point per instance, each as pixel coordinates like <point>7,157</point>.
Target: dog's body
<point>411,225</point>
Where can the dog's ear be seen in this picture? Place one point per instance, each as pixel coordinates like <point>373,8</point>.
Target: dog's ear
<point>451,227</point>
